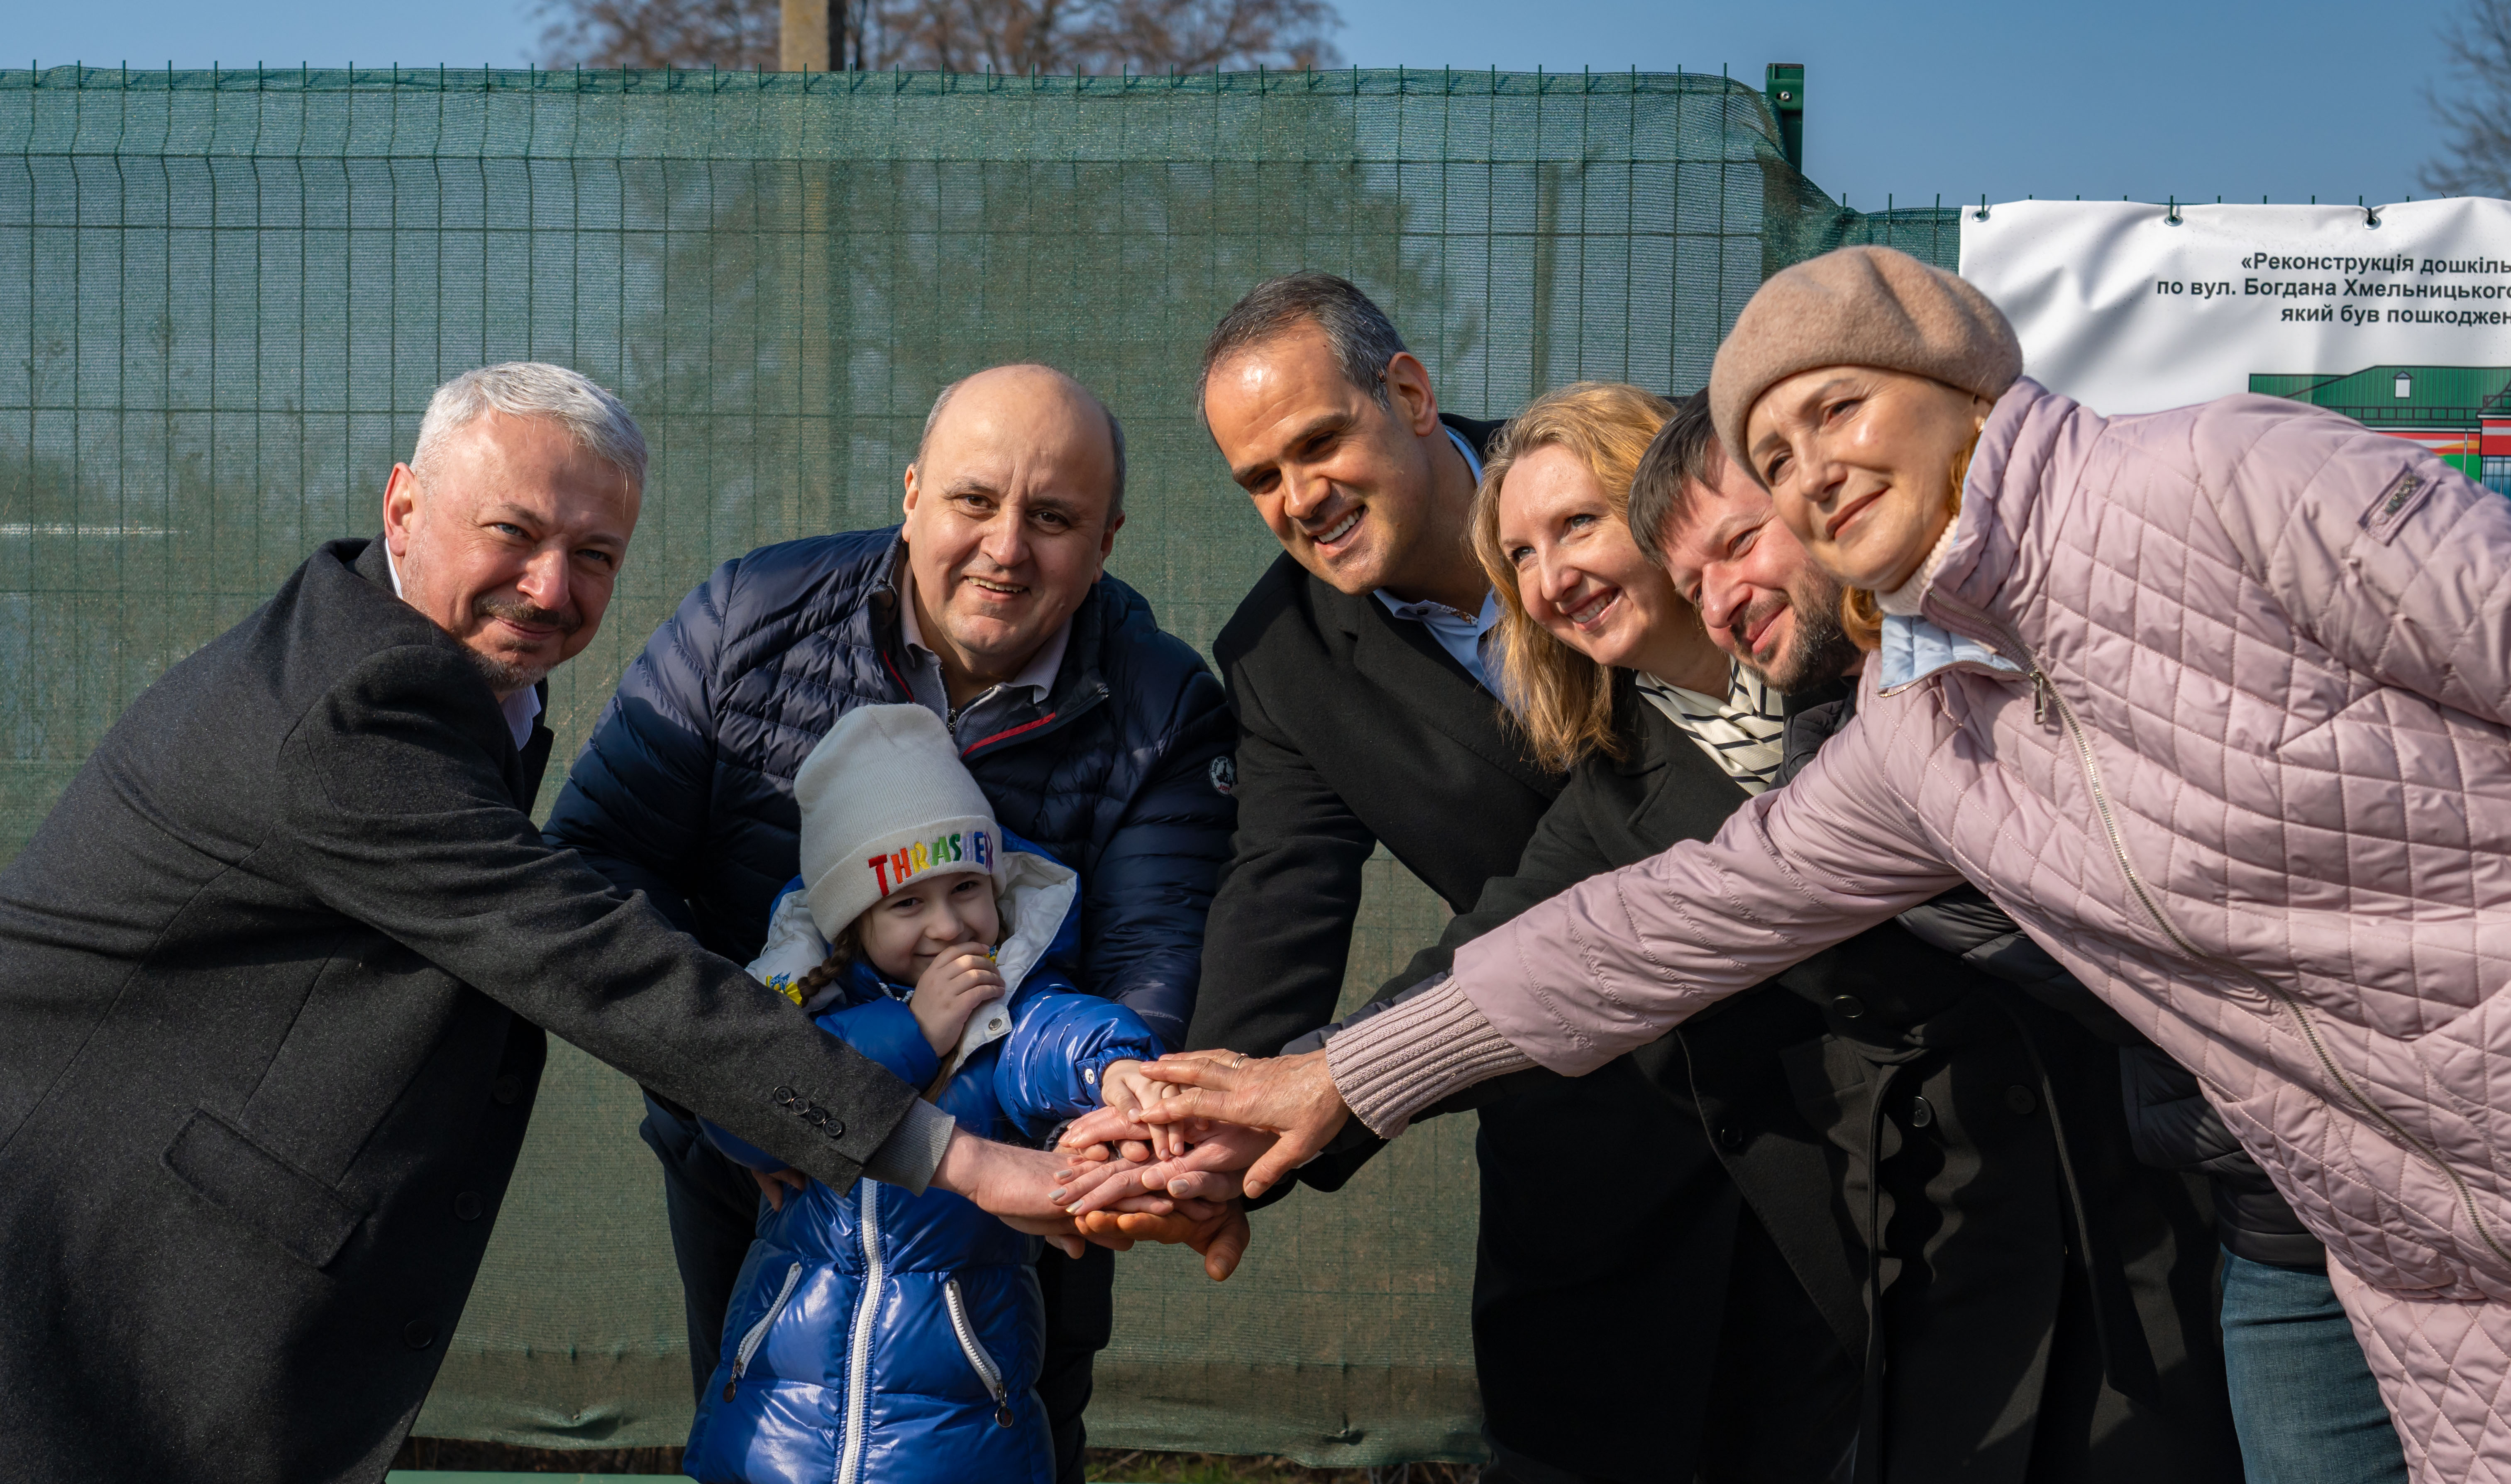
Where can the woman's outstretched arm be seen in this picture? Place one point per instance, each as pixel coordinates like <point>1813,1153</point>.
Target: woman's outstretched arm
<point>1614,961</point>
<point>1622,958</point>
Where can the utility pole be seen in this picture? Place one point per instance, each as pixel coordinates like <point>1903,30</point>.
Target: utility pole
<point>802,39</point>
<point>1785,89</point>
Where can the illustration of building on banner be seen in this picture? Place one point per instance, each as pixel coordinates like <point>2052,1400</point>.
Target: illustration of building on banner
<point>2460,412</point>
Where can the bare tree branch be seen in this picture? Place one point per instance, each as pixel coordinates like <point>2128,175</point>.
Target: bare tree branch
<point>1202,35</point>
<point>2477,110</point>
<point>732,34</point>
<point>1014,36</point>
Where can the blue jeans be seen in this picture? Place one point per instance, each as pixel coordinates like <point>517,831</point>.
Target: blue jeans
<point>2302,1396</point>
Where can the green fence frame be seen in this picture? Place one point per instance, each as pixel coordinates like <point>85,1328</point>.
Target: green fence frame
<point>231,292</point>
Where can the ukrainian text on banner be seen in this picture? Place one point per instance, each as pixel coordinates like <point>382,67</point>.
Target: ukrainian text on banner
<point>2396,316</point>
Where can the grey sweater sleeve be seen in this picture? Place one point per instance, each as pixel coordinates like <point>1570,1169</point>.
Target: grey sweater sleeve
<point>1415,1053</point>
<point>912,1152</point>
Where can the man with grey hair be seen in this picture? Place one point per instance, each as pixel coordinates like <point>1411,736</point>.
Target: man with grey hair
<point>275,972</point>
<point>1094,735</point>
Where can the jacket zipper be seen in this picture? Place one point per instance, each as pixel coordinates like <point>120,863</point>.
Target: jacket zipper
<point>859,1347</point>
<point>973,1349</point>
<point>2044,693</point>
<point>757,1335</point>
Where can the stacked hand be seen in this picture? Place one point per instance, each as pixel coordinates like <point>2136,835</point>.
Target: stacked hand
<point>1172,1165</point>
<point>1126,1088</point>
<point>1290,1097</point>
<point>1021,1187</point>
<point>1018,1187</point>
<point>1189,1198</point>
<point>1132,1180</point>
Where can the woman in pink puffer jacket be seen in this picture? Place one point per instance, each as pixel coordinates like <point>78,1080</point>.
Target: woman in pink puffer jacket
<point>2215,703</point>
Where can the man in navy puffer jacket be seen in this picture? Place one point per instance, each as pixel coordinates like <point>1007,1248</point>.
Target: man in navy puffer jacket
<point>1092,733</point>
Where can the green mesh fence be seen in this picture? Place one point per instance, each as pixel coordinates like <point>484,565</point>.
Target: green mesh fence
<point>225,297</point>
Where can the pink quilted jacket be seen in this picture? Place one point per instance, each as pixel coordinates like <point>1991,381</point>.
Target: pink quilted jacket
<point>2251,782</point>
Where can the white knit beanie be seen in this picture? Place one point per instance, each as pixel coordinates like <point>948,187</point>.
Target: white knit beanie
<point>886,802</point>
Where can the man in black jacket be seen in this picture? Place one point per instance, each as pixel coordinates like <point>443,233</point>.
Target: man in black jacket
<point>1354,666</point>
<point>1094,734</point>
<point>1367,717</point>
<point>275,970</point>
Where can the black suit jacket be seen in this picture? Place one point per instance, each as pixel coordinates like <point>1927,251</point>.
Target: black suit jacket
<point>273,978</point>
<point>1355,727</point>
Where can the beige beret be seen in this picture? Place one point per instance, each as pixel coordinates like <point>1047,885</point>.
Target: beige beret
<point>1860,306</point>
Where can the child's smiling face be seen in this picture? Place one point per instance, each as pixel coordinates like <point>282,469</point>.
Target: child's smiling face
<point>905,932</point>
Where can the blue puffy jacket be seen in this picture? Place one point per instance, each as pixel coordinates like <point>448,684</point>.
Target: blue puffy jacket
<point>686,788</point>
<point>876,1336</point>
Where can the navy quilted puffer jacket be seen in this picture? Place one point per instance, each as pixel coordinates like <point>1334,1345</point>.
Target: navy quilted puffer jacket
<point>686,789</point>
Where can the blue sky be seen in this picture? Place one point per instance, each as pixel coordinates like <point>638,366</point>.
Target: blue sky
<point>2144,98</point>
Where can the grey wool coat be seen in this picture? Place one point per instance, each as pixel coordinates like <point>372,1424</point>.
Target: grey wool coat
<point>274,975</point>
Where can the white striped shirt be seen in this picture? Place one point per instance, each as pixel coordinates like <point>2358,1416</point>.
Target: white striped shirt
<point>1741,733</point>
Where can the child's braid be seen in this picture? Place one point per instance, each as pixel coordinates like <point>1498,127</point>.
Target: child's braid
<point>841,954</point>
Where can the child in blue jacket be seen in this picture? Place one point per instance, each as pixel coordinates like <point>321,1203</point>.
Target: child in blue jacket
<point>874,1335</point>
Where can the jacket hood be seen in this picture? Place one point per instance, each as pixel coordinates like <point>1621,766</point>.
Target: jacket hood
<point>1040,900</point>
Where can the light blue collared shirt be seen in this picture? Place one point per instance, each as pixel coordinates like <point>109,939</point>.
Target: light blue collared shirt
<point>1463,637</point>
<point>1914,648</point>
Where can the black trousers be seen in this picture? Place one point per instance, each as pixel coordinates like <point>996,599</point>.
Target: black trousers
<point>714,1209</point>
<point>1782,1402</point>
<point>1661,1334</point>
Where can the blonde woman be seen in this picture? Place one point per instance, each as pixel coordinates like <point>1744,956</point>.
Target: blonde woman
<point>1683,1295</point>
<point>1584,612</point>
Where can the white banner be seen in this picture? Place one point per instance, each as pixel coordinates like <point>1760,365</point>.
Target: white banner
<point>2403,325</point>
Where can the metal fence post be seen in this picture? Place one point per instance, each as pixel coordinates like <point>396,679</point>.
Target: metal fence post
<point>1785,89</point>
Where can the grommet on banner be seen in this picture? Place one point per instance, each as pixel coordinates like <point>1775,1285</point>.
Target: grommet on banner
<point>1982,212</point>
<point>2370,216</point>
<point>2172,215</point>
